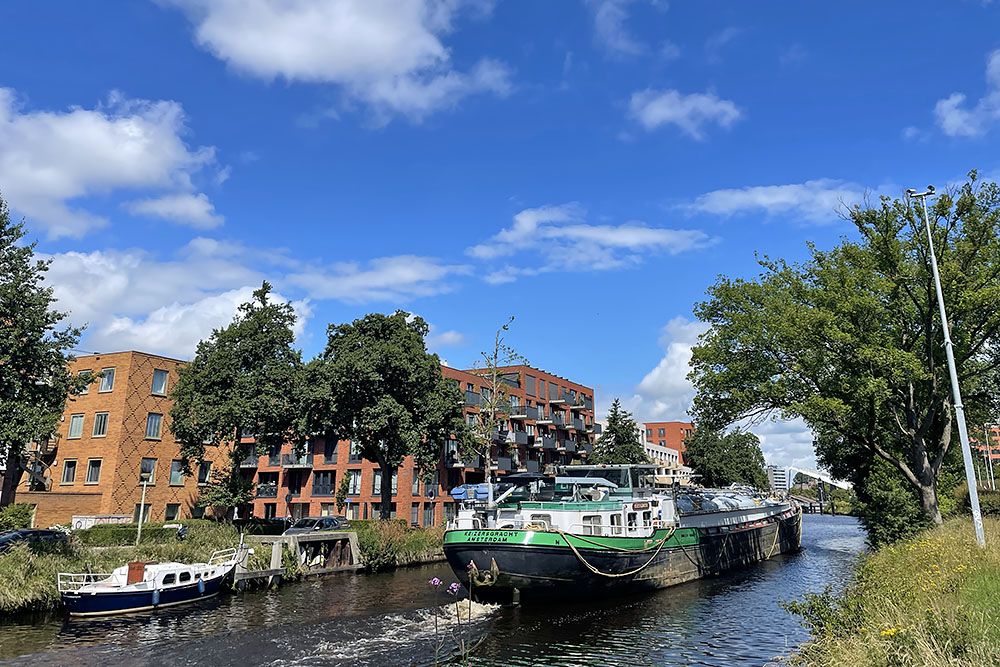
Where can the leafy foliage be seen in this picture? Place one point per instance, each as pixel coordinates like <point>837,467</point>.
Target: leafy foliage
<point>377,385</point>
<point>343,489</point>
<point>851,342</point>
<point>724,459</point>
<point>16,516</point>
<point>34,378</point>
<point>225,490</point>
<point>620,441</point>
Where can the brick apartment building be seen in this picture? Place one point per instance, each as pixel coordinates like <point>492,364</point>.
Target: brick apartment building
<point>990,445</point>
<point>550,421</point>
<point>669,434</point>
<point>120,427</point>
<point>106,436</point>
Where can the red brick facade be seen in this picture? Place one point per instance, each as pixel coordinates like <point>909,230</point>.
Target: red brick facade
<point>669,434</point>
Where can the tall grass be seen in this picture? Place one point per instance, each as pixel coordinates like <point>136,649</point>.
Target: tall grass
<point>388,544</point>
<point>933,600</point>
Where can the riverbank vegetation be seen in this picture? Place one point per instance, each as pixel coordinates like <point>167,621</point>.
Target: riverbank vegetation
<point>388,544</point>
<point>930,600</point>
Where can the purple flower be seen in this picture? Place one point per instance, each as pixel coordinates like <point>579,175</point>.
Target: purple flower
<point>454,588</point>
<point>435,582</point>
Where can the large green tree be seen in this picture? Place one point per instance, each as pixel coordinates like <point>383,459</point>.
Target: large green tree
<point>722,459</point>
<point>850,340</point>
<point>620,442</point>
<point>376,385</point>
<point>243,381</point>
<point>34,350</point>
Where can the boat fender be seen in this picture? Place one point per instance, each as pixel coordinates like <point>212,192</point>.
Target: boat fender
<point>201,587</point>
<point>156,596</point>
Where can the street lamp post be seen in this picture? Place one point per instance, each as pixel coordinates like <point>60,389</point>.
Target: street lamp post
<point>963,434</point>
<point>989,458</point>
<point>144,478</point>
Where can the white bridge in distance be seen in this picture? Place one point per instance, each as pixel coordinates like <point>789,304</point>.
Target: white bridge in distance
<point>783,478</point>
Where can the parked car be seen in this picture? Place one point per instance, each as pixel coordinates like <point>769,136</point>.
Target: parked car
<point>259,526</point>
<point>310,524</point>
<point>31,536</point>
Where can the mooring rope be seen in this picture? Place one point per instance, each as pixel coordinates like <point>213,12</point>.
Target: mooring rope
<point>623,549</point>
<point>620,574</point>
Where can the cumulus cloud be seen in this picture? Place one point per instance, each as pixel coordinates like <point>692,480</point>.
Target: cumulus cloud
<point>692,114</point>
<point>564,240</point>
<point>51,159</point>
<point>397,278</point>
<point>187,209</point>
<point>815,201</point>
<point>610,30</point>
<point>957,118</point>
<point>389,54</point>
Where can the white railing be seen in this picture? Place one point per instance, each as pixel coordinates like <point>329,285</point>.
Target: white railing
<point>222,556</point>
<point>643,530</point>
<point>68,582</point>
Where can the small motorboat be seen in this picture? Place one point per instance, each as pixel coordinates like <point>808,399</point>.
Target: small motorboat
<point>142,586</point>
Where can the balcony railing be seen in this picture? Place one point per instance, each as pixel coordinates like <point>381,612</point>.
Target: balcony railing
<point>570,446</point>
<point>558,419</point>
<point>453,460</point>
<point>548,442</point>
<point>505,463</point>
<point>297,461</point>
<point>472,398</point>
<point>499,436</point>
<point>544,418</point>
<point>578,424</point>
<point>323,489</point>
<point>251,461</point>
<point>267,490</point>
<point>596,428</point>
<point>518,411</point>
<point>557,399</point>
<point>533,466</point>
<point>274,459</point>
<point>522,438</point>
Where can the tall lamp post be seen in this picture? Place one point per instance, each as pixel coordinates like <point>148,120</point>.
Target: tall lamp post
<point>963,434</point>
<point>144,478</point>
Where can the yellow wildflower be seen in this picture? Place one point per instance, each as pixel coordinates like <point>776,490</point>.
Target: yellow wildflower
<point>889,632</point>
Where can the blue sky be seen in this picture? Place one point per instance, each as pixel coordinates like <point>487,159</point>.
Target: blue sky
<point>587,166</point>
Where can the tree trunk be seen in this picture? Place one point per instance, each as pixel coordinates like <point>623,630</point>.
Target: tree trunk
<point>929,502</point>
<point>385,497</point>
<point>12,477</point>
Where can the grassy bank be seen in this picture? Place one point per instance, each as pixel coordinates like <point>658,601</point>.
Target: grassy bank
<point>933,600</point>
<point>388,544</point>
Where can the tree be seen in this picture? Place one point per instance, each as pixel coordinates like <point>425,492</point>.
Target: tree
<point>850,339</point>
<point>724,459</point>
<point>243,381</point>
<point>226,490</point>
<point>620,441</point>
<point>376,385</point>
<point>494,403</point>
<point>343,489</point>
<point>34,352</point>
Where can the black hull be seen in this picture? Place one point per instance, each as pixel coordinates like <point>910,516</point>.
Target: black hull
<point>538,572</point>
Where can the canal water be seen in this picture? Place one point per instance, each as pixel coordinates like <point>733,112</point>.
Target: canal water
<point>379,620</point>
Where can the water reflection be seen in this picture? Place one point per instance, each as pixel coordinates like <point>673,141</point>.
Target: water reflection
<point>382,620</point>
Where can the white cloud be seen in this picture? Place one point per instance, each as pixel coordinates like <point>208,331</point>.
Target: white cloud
<point>610,17</point>
<point>437,339</point>
<point>194,210</point>
<point>816,201</point>
<point>398,278</point>
<point>958,119</point>
<point>690,113</point>
<point>565,241</point>
<point>388,54</point>
<point>786,443</point>
<point>717,41</point>
<point>48,159</point>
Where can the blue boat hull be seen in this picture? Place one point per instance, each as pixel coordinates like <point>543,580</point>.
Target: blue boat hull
<point>103,604</point>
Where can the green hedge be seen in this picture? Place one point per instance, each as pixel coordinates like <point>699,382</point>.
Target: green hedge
<point>989,501</point>
<point>124,535</point>
<point>15,516</point>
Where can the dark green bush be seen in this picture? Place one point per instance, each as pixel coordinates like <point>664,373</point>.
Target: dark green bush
<point>989,501</point>
<point>15,516</point>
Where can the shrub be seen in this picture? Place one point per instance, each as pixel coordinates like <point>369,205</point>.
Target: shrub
<point>989,501</point>
<point>388,544</point>
<point>15,516</point>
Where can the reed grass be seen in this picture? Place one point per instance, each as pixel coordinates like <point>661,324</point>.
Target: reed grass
<point>388,544</point>
<point>933,600</point>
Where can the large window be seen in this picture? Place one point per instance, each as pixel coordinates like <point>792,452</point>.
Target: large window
<point>324,483</point>
<point>529,385</point>
<point>143,511</point>
<point>154,421</point>
<point>177,473</point>
<point>415,514</point>
<point>172,513</point>
<point>93,471</point>
<point>159,382</point>
<point>355,456</point>
<point>86,387</point>
<point>69,471</point>
<point>147,468</point>
<point>107,379</point>
<point>354,485</point>
<point>377,482</point>
<point>330,451</point>
<point>204,472</point>
<point>75,426</point>
<point>100,424</point>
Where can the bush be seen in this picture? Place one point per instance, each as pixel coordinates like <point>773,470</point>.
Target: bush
<point>388,544</point>
<point>124,535</point>
<point>989,501</point>
<point>16,516</point>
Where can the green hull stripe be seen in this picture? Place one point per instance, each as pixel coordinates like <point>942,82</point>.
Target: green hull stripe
<point>684,537</point>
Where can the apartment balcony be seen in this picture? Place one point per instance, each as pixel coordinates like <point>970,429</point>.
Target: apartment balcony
<point>578,424</point>
<point>45,446</point>
<point>453,460</point>
<point>559,420</point>
<point>533,466</point>
<point>297,461</point>
<point>582,403</point>
<point>499,437</point>
<point>522,438</point>
<point>557,399</point>
<point>504,463</point>
<point>522,412</point>
<point>267,490</point>
<point>251,461</point>
<point>548,442</point>
<point>543,418</point>
<point>473,399</point>
<point>569,445</point>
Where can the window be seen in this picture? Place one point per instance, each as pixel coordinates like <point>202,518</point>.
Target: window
<point>616,524</point>
<point>172,512</point>
<point>93,471</point>
<point>663,443</point>
<point>141,511</point>
<point>591,524</point>
<point>328,509</point>
<point>661,432</point>
<point>177,473</point>
<point>330,452</point>
<point>355,456</point>
<point>204,472</point>
<point>154,421</point>
<point>377,483</point>
<point>75,426</point>
<point>169,579</point>
<point>86,388</point>
<point>147,468</point>
<point>428,514</point>
<point>293,480</point>
<point>185,576</point>
<point>354,485</point>
<point>541,389</point>
<point>649,433</point>
<point>69,471</point>
<point>544,519</point>
<point>377,510</point>
<point>324,483</point>
<point>430,488</point>
<point>414,515</point>
<point>529,385</point>
<point>415,489</point>
<point>270,510</point>
<point>159,383</point>
<point>100,424</point>
<point>107,379</point>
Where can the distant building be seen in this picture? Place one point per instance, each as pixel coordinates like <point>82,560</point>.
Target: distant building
<point>669,434</point>
<point>780,479</point>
